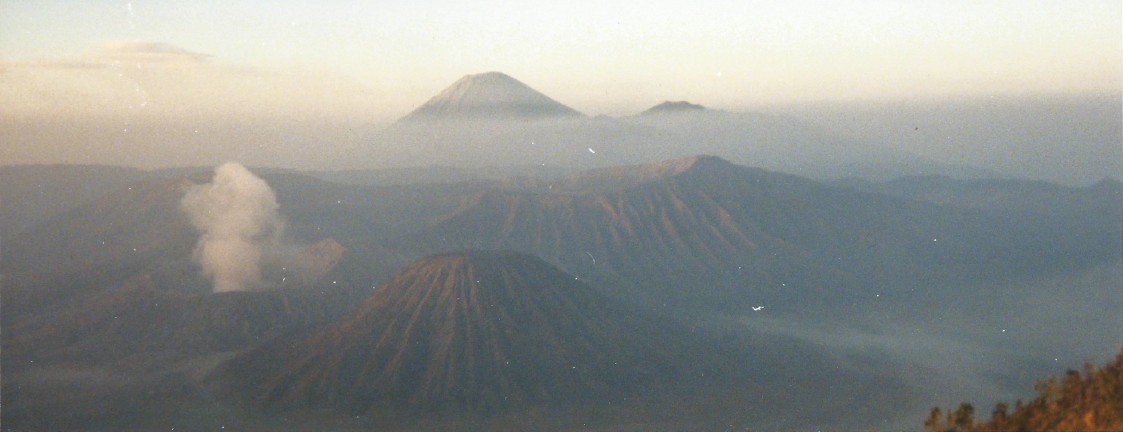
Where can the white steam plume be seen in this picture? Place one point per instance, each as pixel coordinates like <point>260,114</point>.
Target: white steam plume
<point>237,216</point>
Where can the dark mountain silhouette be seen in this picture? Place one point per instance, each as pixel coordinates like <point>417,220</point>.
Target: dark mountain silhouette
<point>491,95</point>
<point>483,331</point>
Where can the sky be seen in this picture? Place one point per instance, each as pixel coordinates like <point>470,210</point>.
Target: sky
<point>364,64</point>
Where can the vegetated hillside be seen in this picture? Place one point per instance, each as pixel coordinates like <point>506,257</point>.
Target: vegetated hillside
<point>701,230</point>
<point>1088,401</point>
<point>480,331</point>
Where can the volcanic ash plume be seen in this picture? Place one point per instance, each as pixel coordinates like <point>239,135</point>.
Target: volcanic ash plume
<point>237,216</point>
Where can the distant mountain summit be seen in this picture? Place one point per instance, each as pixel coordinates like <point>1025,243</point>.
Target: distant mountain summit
<point>489,95</point>
<point>481,331</point>
<point>674,107</point>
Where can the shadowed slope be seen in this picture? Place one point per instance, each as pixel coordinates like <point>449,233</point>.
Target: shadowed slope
<point>483,331</point>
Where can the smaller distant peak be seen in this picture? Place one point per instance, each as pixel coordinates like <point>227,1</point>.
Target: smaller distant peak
<point>674,107</point>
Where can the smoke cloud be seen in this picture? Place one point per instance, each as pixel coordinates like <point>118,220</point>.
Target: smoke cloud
<point>237,216</point>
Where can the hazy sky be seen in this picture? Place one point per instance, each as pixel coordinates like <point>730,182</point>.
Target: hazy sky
<point>363,63</point>
<point>618,58</point>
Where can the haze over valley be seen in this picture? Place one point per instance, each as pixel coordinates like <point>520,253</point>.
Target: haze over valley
<point>657,218</point>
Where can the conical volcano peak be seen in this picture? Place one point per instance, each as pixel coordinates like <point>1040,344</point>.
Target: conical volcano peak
<point>490,95</point>
<point>478,330</point>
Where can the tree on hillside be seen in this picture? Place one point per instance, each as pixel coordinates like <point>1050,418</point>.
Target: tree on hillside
<point>999,417</point>
<point>934,422</point>
<point>964,417</point>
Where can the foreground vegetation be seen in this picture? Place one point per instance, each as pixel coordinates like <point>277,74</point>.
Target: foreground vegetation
<point>1088,401</point>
